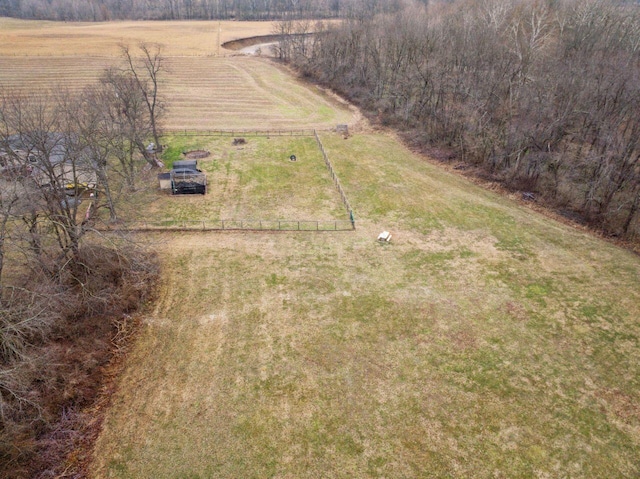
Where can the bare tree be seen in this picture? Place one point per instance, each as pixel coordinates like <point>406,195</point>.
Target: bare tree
<point>56,148</point>
<point>146,69</point>
<point>126,112</point>
<point>47,145</point>
<point>97,133</point>
<point>8,200</point>
<point>543,95</point>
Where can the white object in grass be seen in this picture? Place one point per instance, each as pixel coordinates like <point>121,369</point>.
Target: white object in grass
<point>384,236</point>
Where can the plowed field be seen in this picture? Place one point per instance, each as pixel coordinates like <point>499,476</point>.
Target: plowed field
<point>202,90</point>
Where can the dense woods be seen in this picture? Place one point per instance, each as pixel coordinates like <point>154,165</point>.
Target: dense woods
<point>67,160</point>
<point>542,96</point>
<point>100,10</point>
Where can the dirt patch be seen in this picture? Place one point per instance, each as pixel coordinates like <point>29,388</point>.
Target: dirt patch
<point>241,43</point>
<point>196,154</point>
<point>623,406</point>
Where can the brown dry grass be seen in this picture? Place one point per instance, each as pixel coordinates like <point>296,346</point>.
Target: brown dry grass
<point>202,90</point>
<point>194,38</point>
<point>244,92</point>
<point>484,341</point>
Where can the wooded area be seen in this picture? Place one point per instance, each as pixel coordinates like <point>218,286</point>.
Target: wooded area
<point>66,162</point>
<point>542,96</point>
<point>100,10</point>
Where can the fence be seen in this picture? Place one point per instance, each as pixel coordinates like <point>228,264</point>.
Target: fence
<point>253,225</point>
<point>234,225</point>
<point>247,133</point>
<point>336,180</point>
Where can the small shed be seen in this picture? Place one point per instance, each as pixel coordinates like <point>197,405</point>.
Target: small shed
<point>165,181</point>
<point>188,182</point>
<point>184,179</point>
<point>343,130</point>
<point>186,165</point>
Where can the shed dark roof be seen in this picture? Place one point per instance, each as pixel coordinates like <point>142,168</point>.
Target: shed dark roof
<point>185,164</point>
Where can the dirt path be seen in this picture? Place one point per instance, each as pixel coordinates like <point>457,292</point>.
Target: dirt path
<point>260,49</point>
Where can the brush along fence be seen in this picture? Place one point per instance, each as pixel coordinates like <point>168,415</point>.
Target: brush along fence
<point>236,225</point>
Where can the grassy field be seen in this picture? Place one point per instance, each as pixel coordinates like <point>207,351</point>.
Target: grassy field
<point>252,181</point>
<point>205,87</point>
<point>193,38</point>
<point>483,341</point>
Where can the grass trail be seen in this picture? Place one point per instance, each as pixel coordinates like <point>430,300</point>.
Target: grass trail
<point>484,341</point>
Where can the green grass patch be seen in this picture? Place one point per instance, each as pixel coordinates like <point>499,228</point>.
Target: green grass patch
<point>176,146</point>
<point>249,182</point>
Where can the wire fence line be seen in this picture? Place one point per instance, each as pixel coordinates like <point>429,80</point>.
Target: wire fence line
<point>247,225</point>
<point>336,180</point>
<point>267,133</point>
<point>231,225</point>
<point>232,133</point>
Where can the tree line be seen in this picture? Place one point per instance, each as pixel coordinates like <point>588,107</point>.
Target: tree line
<point>540,95</point>
<point>67,162</point>
<point>102,10</point>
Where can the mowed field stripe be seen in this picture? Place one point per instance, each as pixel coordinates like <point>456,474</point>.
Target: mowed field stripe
<point>199,92</point>
<point>77,39</point>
